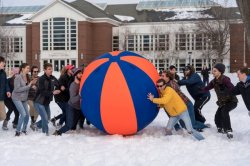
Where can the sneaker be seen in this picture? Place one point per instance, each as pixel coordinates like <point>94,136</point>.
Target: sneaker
<point>5,125</point>
<point>25,132</point>
<point>17,134</point>
<point>220,130</point>
<point>53,121</point>
<point>230,135</point>
<point>14,126</point>
<point>33,126</point>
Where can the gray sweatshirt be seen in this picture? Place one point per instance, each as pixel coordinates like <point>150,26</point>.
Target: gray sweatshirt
<point>74,100</point>
<point>21,90</point>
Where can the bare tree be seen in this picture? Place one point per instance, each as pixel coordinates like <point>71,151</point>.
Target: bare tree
<point>215,34</point>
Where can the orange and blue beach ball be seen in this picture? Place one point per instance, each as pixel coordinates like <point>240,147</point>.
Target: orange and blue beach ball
<point>114,90</point>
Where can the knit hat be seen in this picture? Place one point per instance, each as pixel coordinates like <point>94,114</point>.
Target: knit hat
<point>69,67</point>
<point>76,71</point>
<point>221,67</point>
<point>187,68</point>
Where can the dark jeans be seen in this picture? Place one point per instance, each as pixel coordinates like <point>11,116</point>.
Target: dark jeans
<point>198,104</point>
<point>205,81</point>
<point>62,117</point>
<point>222,118</point>
<point>72,117</point>
<point>11,107</point>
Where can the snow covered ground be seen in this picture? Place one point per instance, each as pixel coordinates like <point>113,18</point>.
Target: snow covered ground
<point>149,147</point>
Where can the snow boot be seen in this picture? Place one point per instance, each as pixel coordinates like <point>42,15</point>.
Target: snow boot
<point>17,134</point>
<point>14,125</point>
<point>5,125</point>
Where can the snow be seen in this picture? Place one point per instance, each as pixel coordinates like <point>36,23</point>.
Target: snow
<point>188,14</point>
<point>19,20</point>
<point>149,147</point>
<point>124,18</point>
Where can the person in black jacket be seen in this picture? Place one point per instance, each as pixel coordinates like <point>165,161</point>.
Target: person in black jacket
<point>226,101</point>
<point>74,106</point>
<point>9,103</point>
<point>205,75</point>
<point>44,95</point>
<point>193,84</point>
<point>32,94</point>
<point>62,98</point>
<point>243,87</point>
<point>4,88</point>
<point>173,71</point>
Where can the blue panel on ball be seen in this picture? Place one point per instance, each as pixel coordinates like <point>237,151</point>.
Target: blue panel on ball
<point>140,84</point>
<point>91,93</point>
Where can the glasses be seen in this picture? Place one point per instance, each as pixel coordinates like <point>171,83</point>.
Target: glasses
<point>160,86</point>
<point>35,71</point>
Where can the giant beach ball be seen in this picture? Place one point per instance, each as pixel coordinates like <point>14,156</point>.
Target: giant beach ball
<point>114,90</point>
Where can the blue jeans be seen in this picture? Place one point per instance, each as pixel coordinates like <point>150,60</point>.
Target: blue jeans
<point>44,112</point>
<point>22,107</point>
<point>64,107</point>
<point>185,117</point>
<point>196,124</point>
<point>72,117</point>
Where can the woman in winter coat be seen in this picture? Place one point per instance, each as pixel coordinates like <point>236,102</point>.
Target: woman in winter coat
<point>226,101</point>
<point>193,84</point>
<point>22,84</point>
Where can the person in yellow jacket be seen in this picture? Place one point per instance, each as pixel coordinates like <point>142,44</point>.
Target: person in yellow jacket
<point>175,107</point>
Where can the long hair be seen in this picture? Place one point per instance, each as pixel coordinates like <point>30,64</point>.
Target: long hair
<point>63,71</point>
<point>22,66</point>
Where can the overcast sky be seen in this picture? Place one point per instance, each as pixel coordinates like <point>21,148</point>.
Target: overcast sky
<point>44,2</point>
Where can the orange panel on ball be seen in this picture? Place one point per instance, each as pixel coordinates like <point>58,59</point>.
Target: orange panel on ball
<point>116,96</point>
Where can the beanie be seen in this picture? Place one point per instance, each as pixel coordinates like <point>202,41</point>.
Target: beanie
<point>221,67</point>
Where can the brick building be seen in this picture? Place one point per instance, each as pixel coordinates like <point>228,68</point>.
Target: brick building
<point>78,32</point>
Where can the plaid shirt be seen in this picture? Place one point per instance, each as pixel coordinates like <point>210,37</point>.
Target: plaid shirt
<point>176,87</point>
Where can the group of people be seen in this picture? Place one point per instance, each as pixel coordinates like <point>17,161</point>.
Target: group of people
<point>28,95</point>
<point>187,115</point>
<point>23,90</point>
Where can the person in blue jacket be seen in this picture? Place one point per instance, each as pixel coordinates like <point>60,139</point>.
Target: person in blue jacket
<point>193,84</point>
<point>243,87</point>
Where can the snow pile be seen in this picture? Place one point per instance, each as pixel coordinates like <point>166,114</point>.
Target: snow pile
<point>20,20</point>
<point>188,15</point>
<point>149,147</point>
<point>124,18</point>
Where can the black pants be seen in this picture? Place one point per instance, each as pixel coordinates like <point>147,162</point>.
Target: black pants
<point>11,107</point>
<point>222,118</point>
<point>205,81</point>
<point>198,104</point>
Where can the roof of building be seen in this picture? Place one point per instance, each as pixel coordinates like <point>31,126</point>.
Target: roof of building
<point>129,12</point>
<point>90,9</point>
<point>179,14</point>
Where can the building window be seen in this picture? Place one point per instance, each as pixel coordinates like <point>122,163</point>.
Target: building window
<point>162,42</point>
<point>182,41</point>
<point>115,43</point>
<point>11,44</point>
<point>146,43</point>
<point>198,42</point>
<point>59,34</point>
<point>130,43</point>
